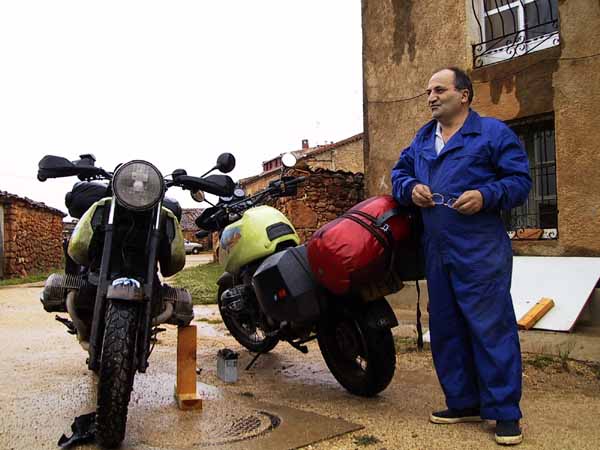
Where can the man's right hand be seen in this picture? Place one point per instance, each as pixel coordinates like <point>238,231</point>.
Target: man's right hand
<point>421,196</point>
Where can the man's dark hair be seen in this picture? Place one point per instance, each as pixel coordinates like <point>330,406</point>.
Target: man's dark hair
<point>462,81</point>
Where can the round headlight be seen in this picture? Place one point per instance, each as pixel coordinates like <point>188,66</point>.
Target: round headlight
<point>138,185</point>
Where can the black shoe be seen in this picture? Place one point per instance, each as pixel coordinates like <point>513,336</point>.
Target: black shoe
<point>455,416</point>
<point>508,432</point>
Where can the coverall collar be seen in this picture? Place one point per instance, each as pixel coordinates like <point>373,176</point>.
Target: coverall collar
<point>472,125</point>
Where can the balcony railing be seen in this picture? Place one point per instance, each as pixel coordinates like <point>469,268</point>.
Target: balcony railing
<point>508,29</point>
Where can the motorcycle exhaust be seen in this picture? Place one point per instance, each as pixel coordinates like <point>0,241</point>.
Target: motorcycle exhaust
<point>53,296</point>
<point>179,302</point>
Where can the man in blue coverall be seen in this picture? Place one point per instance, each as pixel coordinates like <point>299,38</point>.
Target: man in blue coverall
<point>461,170</point>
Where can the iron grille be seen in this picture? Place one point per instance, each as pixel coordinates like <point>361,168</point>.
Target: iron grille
<point>540,211</point>
<point>510,28</point>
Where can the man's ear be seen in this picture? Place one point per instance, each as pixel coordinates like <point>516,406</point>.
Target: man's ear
<point>465,96</point>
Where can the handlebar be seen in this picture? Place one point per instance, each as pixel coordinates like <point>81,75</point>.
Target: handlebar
<point>219,216</point>
<point>221,185</point>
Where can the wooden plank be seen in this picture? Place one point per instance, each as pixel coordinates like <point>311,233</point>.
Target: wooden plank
<point>185,389</point>
<point>536,313</point>
<point>569,281</point>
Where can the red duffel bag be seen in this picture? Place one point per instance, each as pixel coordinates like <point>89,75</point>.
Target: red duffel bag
<point>359,247</point>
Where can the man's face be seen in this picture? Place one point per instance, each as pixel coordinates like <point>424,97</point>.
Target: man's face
<point>443,98</point>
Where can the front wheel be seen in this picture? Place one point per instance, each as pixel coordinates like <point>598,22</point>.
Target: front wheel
<point>117,369</point>
<point>245,329</point>
<point>195,250</point>
<point>362,359</point>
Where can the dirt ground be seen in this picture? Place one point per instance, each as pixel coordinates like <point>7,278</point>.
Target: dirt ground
<point>44,384</point>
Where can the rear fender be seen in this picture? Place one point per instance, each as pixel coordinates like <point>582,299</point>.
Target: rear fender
<point>378,315</point>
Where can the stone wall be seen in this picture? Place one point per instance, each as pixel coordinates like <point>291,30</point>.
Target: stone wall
<point>405,41</point>
<point>324,196</point>
<point>32,237</point>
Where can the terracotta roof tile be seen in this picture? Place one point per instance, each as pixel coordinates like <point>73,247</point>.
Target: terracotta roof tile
<point>7,197</point>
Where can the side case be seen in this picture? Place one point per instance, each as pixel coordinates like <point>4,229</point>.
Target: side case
<point>285,287</point>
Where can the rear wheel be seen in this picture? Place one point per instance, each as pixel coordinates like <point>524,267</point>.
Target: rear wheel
<point>245,329</point>
<point>362,359</point>
<point>195,250</point>
<point>117,369</point>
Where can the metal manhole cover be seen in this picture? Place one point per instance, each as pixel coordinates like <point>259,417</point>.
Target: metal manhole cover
<point>239,428</point>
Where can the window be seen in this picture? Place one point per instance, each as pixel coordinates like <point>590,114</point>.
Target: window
<point>509,28</point>
<point>538,217</point>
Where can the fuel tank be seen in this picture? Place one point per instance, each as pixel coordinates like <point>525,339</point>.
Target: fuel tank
<point>255,236</point>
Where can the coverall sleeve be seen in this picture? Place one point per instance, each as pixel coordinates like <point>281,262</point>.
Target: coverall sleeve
<point>513,180</point>
<point>403,176</point>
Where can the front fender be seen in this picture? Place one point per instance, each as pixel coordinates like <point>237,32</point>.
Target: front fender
<point>226,279</point>
<point>379,315</point>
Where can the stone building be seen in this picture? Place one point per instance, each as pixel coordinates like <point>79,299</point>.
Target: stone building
<point>189,227</point>
<point>334,183</point>
<point>534,63</point>
<point>324,196</point>
<point>345,156</point>
<point>30,236</point>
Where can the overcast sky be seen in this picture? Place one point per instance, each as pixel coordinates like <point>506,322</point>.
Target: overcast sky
<point>172,82</point>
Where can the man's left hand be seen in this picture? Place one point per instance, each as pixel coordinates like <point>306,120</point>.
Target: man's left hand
<point>470,202</point>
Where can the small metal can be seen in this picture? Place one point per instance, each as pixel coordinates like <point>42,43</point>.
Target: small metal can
<point>227,365</point>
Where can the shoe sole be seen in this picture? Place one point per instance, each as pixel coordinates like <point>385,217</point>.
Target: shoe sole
<point>446,421</point>
<point>509,440</point>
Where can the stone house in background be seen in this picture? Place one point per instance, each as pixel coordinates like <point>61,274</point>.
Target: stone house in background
<point>334,183</point>
<point>30,236</point>
<point>189,227</point>
<point>535,64</point>
<point>345,156</point>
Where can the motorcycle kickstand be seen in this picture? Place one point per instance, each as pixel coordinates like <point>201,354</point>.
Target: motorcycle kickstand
<point>249,366</point>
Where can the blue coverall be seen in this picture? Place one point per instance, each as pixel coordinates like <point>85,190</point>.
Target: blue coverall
<point>472,323</point>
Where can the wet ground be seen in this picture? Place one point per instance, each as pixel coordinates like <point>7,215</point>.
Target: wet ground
<point>44,384</point>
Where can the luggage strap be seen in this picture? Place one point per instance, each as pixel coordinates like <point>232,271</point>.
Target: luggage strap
<point>378,224</point>
<point>419,327</point>
<point>375,232</point>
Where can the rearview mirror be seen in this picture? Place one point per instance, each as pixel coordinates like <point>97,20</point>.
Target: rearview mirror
<point>225,162</point>
<point>198,195</point>
<point>288,160</point>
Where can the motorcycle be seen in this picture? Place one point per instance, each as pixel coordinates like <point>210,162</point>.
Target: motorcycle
<point>111,287</point>
<point>268,294</point>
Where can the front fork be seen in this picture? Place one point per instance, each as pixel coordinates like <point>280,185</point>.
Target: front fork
<point>97,328</point>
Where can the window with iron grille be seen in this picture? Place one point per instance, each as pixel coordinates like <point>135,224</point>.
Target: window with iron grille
<point>540,210</point>
<point>509,28</point>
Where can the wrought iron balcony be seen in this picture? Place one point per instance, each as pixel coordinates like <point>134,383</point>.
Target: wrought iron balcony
<point>509,28</point>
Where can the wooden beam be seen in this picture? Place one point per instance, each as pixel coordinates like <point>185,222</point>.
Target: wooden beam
<point>185,389</point>
<point>538,311</point>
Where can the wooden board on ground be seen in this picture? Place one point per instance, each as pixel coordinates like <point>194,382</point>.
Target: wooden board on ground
<point>569,281</point>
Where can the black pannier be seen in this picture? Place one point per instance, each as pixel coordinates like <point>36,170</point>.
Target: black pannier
<point>285,287</point>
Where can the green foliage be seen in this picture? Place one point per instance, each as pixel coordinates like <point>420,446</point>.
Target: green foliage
<point>201,281</point>
<point>541,361</point>
<point>33,278</point>
<point>366,439</point>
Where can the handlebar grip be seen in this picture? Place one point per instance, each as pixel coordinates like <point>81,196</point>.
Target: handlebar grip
<point>202,234</point>
<point>220,185</point>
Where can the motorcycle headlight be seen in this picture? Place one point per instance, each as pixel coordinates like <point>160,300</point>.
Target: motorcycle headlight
<point>138,185</point>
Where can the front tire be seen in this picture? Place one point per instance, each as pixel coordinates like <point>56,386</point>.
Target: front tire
<point>362,359</point>
<point>245,331</point>
<point>195,250</point>
<point>117,369</point>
